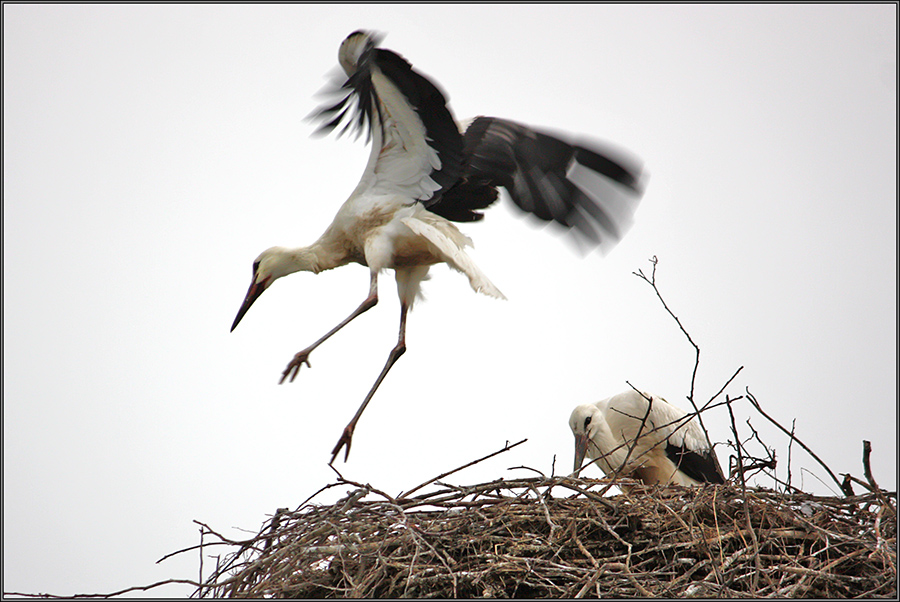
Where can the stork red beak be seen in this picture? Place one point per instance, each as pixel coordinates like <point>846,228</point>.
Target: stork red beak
<point>581,443</point>
<point>256,289</point>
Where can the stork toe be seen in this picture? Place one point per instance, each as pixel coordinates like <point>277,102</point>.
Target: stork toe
<point>345,440</point>
<point>293,368</point>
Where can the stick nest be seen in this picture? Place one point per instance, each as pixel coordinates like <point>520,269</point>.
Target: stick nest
<point>560,537</point>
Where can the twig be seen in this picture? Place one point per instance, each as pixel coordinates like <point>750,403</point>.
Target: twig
<point>643,424</point>
<point>200,577</point>
<point>528,468</point>
<point>652,282</point>
<point>867,471</point>
<point>867,467</point>
<point>223,542</point>
<point>786,432</point>
<point>790,444</point>
<point>755,578</point>
<point>507,447</point>
<point>136,588</point>
<point>721,389</point>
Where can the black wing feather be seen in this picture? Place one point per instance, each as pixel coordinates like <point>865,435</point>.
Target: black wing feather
<point>702,467</point>
<point>360,108</point>
<point>431,106</point>
<point>534,168</point>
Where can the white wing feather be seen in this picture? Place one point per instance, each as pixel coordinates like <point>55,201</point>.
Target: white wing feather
<point>625,412</point>
<point>450,242</point>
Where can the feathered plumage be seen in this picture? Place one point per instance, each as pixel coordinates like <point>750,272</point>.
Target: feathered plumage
<point>423,174</point>
<point>642,435</point>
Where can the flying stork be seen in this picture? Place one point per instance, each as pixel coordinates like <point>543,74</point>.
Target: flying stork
<point>423,174</point>
<point>642,435</point>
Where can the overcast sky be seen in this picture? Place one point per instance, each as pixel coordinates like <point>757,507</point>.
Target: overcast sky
<point>152,151</point>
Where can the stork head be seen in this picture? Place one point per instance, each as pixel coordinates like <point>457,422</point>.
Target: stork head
<point>354,47</point>
<point>583,424</point>
<point>271,265</point>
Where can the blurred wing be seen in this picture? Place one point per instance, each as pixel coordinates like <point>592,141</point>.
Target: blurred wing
<point>591,190</point>
<point>417,147</point>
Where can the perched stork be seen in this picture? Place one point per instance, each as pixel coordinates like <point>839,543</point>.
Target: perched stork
<point>423,174</point>
<point>643,435</point>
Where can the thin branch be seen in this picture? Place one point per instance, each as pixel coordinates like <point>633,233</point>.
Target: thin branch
<point>786,432</point>
<point>867,467</point>
<point>640,428</point>
<point>651,280</point>
<point>136,588</point>
<point>507,447</point>
<point>790,444</point>
<point>200,577</point>
<point>743,482</point>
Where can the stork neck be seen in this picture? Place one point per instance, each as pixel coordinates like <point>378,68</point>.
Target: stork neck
<point>324,254</point>
<point>304,259</point>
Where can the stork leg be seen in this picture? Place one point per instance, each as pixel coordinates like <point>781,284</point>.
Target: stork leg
<point>396,352</point>
<point>302,357</point>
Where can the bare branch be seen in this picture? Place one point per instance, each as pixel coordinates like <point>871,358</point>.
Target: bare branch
<point>652,282</point>
<point>136,588</point>
<point>507,447</point>
<point>788,433</point>
<point>867,467</point>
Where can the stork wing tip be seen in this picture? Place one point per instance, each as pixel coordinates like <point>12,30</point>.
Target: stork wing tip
<point>355,47</point>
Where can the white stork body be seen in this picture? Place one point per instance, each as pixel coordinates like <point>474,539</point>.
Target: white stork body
<point>643,435</point>
<point>422,175</point>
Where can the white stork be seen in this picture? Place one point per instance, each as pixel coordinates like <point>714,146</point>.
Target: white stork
<point>643,435</point>
<point>423,175</point>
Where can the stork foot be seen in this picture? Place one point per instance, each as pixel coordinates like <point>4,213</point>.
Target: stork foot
<point>346,439</point>
<point>293,368</point>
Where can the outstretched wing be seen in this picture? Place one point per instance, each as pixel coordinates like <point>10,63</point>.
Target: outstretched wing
<point>591,190</point>
<point>416,144</point>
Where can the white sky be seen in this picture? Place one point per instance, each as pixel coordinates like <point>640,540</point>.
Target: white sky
<point>152,151</point>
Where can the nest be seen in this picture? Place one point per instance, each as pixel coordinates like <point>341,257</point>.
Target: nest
<point>561,537</point>
<point>566,537</point>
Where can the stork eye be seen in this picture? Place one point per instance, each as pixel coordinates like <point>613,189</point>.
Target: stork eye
<point>255,266</point>
<point>587,421</point>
